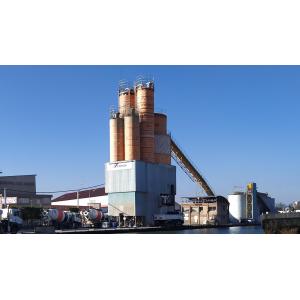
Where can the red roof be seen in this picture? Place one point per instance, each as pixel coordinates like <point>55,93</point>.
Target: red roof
<point>82,194</point>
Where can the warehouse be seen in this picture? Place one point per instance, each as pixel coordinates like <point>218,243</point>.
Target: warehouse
<point>212,210</point>
<point>96,198</point>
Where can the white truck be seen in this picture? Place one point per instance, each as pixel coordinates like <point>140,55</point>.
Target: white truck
<point>10,220</point>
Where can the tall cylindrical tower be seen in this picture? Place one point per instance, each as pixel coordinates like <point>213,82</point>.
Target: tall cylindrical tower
<point>144,91</point>
<point>126,100</point>
<point>132,136</point>
<point>162,150</point>
<point>116,125</point>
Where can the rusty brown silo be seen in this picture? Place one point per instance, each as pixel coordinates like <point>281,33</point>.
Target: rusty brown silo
<point>144,92</point>
<point>132,136</point>
<point>145,98</point>
<point>116,125</point>
<point>160,123</point>
<point>147,137</point>
<point>126,100</point>
<point>162,151</point>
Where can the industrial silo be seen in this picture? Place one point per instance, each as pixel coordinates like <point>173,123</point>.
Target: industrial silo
<point>160,123</point>
<point>237,207</point>
<point>116,126</point>
<point>144,91</point>
<point>126,100</point>
<point>162,141</point>
<point>132,136</point>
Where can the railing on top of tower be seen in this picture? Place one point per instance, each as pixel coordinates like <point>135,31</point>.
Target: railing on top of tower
<point>113,113</point>
<point>189,167</point>
<point>125,87</point>
<point>144,82</point>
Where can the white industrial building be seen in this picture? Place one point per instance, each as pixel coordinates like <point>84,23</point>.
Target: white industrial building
<point>96,198</point>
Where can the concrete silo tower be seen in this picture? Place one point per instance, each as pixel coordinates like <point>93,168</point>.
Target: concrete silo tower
<point>139,179</point>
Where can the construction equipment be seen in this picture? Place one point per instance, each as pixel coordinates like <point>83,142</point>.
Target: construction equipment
<point>189,168</point>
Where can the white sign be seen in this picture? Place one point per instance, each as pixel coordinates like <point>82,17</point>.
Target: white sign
<point>9,200</point>
<point>119,166</point>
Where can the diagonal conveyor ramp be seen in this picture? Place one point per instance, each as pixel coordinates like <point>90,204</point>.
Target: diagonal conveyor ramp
<point>189,169</point>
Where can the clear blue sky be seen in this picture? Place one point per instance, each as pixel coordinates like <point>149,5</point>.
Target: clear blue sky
<point>238,124</point>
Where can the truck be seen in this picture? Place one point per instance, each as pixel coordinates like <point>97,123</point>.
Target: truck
<point>61,219</point>
<point>92,217</point>
<point>169,219</point>
<point>10,220</point>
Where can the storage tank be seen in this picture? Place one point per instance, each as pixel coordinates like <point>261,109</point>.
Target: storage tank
<point>160,123</point>
<point>126,100</point>
<point>162,149</point>
<point>147,143</point>
<point>144,91</point>
<point>116,125</point>
<point>56,215</point>
<point>237,207</point>
<point>132,136</point>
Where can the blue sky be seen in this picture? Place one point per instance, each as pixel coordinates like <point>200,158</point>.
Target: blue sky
<point>237,123</point>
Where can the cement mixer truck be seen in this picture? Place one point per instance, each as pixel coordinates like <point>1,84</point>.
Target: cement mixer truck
<point>92,217</point>
<point>62,219</point>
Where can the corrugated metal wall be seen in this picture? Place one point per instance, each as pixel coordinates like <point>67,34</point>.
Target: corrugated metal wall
<point>135,187</point>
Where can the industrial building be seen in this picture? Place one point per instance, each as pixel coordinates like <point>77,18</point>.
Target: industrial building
<point>139,179</point>
<point>92,198</point>
<point>213,210</point>
<point>20,191</point>
<point>249,205</point>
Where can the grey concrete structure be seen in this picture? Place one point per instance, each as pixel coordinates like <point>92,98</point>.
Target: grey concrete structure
<point>139,189</point>
<point>22,185</point>
<point>21,191</point>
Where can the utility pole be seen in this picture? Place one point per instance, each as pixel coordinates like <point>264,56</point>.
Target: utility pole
<point>5,197</point>
<point>78,199</point>
<point>1,204</point>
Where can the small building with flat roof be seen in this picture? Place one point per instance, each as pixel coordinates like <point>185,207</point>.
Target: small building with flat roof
<point>213,210</point>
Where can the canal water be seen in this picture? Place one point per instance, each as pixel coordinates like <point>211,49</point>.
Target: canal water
<point>226,230</point>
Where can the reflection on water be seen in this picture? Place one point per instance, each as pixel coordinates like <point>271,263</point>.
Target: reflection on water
<point>227,230</point>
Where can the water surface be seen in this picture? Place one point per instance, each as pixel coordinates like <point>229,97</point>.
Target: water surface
<point>226,230</point>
